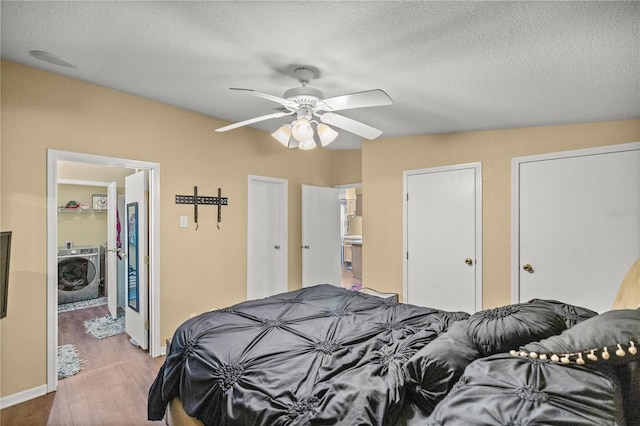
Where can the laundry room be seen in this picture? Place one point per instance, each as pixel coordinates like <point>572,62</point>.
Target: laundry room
<point>86,225</point>
<point>83,225</point>
<point>82,233</point>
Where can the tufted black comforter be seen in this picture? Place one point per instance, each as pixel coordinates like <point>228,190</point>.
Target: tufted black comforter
<point>319,355</point>
<point>329,356</point>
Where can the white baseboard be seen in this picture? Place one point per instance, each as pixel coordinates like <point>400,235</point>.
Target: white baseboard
<point>23,396</point>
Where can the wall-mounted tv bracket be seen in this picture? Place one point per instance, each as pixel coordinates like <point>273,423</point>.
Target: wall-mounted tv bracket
<point>195,199</point>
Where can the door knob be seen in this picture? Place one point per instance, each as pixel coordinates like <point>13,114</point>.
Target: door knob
<point>277,247</point>
<point>527,267</point>
<point>468,261</point>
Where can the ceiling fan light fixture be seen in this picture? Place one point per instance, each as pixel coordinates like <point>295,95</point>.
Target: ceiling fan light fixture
<point>305,132</point>
<point>283,134</point>
<point>307,144</point>
<point>326,134</point>
<point>301,130</point>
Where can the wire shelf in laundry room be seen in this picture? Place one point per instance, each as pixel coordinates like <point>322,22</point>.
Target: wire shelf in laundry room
<point>68,210</point>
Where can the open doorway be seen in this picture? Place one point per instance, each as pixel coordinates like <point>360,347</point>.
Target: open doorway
<point>90,258</point>
<point>54,159</point>
<point>91,266</point>
<point>351,235</point>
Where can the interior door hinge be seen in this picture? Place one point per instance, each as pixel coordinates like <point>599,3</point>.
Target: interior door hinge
<point>146,260</point>
<point>146,195</point>
<point>146,325</point>
<point>407,255</point>
<point>407,197</point>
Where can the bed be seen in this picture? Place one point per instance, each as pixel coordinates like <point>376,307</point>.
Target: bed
<point>321,354</point>
<point>325,355</point>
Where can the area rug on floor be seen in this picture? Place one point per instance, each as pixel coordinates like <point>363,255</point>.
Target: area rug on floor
<point>73,306</point>
<point>68,361</point>
<point>106,326</point>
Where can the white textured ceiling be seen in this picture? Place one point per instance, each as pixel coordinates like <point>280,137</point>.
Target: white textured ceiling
<point>449,66</point>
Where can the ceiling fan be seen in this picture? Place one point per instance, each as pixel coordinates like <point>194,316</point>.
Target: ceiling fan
<point>307,104</point>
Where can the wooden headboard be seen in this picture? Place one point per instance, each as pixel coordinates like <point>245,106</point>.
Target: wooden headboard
<point>628,296</point>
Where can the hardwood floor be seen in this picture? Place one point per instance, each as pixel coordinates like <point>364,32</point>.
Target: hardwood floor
<point>348,280</point>
<point>111,388</point>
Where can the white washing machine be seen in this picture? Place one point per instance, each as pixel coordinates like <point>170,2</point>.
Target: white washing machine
<point>78,274</point>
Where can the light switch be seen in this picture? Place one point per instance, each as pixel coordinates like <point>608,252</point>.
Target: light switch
<point>184,222</point>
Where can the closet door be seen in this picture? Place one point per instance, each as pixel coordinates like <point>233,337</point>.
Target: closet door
<point>267,231</point>
<point>320,236</point>
<point>442,238</point>
<point>576,224</point>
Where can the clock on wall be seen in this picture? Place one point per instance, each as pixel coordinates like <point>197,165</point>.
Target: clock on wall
<point>99,201</point>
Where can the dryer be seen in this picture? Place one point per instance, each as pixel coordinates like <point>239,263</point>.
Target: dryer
<point>78,274</point>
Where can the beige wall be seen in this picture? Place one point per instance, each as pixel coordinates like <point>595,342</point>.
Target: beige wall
<point>385,160</point>
<point>346,167</point>
<point>200,270</point>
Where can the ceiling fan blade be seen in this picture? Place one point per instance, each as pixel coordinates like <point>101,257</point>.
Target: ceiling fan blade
<point>369,98</point>
<point>350,125</point>
<point>281,101</point>
<point>253,120</point>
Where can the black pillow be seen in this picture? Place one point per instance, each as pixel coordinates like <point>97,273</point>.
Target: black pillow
<point>611,337</point>
<point>503,390</point>
<point>507,327</point>
<point>435,368</point>
<point>571,314</point>
<point>629,375</point>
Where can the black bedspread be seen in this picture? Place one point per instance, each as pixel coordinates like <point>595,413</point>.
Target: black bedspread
<point>319,355</point>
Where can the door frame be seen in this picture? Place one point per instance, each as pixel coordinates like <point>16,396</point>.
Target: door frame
<point>284,226</point>
<point>53,156</point>
<point>477,167</point>
<point>515,198</point>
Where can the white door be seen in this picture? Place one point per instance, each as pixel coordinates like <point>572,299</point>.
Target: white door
<point>321,244</point>
<point>443,241</point>
<point>110,276</point>
<point>576,224</point>
<point>267,246</point>
<point>136,243</point>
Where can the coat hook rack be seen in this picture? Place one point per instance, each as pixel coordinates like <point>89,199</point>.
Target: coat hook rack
<point>195,199</point>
